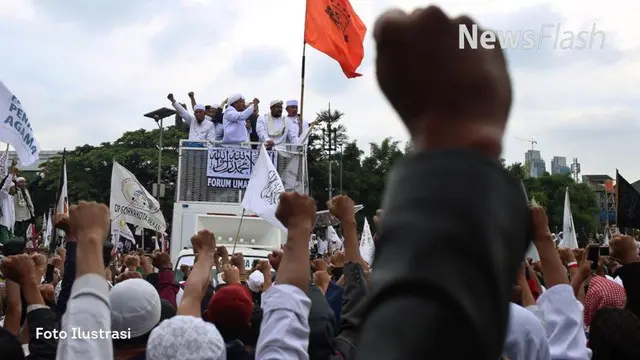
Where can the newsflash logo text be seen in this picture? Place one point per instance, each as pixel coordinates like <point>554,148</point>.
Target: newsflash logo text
<point>549,36</point>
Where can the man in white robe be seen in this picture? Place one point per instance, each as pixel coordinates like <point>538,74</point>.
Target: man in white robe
<point>23,208</point>
<point>273,128</point>
<point>7,212</point>
<point>234,120</point>
<point>294,118</point>
<point>199,126</point>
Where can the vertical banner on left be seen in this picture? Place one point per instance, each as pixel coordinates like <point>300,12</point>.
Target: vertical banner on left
<point>16,129</point>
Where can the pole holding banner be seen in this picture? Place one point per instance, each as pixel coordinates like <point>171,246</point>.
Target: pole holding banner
<point>235,241</point>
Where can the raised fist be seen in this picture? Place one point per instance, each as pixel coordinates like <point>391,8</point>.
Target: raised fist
<point>296,210</point>
<point>171,98</point>
<point>89,221</point>
<point>274,259</point>
<point>203,241</point>
<point>191,94</point>
<point>237,260</point>
<point>448,96</point>
<point>18,268</point>
<point>61,221</point>
<point>342,207</point>
<point>540,224</point>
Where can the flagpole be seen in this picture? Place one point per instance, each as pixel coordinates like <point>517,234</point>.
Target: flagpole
<point>304,63</point>
<point>616,198</point>
<point>235,241</point>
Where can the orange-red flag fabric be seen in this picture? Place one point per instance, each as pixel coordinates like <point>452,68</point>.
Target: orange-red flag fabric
<point>334,28</point>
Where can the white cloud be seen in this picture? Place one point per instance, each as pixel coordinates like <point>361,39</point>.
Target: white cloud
<point>88,74</point>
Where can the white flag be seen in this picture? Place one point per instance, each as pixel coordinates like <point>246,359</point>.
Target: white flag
<point>48,230</point>
<point>367,247</point>
<point>262,195</point>
<point>4,163</point>
<point>335,244</point>
<point>532,252</point>
<point>16,129</point>
<point>569,238</point>
<point>62,198</point>
<point>132,203</point>
<point>119,228</point>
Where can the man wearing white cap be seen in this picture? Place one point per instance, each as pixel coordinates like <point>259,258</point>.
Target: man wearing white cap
<point>23,208</point>
<point>213,113</point>
<point>273,128</point>
<point>199,127</point>
<point>294,119</point>
<point>7,215</point>
<point>234,120</point>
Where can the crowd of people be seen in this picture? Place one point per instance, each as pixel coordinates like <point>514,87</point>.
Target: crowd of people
<point>449,280</point>
<point>17,215</point>
<point>233,123</point>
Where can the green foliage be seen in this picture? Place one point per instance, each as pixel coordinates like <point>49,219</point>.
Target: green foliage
<point>549,192</point>
<point>89,168</point>
<point>361,177</point>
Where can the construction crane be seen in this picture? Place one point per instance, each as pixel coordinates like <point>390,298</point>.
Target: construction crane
<point>531,141</point>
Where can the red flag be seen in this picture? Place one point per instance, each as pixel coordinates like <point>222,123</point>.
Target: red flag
<point>334,28</point>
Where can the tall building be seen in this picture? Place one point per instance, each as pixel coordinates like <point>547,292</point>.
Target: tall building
<point>535,165</point>
<point>559,165</point>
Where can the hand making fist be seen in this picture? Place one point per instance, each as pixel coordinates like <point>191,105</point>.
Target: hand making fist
<point>540,221</point>
<point>171,98</point>
<point>19,268</point>
<point>342,207</point>
<point>89,221</point>
<point>61,221</point>
<point>296,210</point>
<point>204,241</point>
<point>447,97</point>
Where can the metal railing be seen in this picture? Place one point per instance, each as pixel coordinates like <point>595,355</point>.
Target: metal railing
<point>218,173</point>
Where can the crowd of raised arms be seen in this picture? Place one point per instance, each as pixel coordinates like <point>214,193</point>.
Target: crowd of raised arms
<point>449,279</point>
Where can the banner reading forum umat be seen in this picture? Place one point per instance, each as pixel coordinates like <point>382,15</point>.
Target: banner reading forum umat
<point>15,128</point>
<point>132,203</point>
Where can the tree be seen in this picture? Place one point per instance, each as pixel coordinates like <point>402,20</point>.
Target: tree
<point>549,192</point>
<point>89,168</point>
<point>319,157</point>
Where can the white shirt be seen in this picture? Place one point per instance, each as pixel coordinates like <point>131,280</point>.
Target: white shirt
<point>8,217</point>
<point>289,134</point>
<point>284,330</point>
<point>293,122</point>
<point>233,121</point>
<point>22,213</point>
<point>197,131</point>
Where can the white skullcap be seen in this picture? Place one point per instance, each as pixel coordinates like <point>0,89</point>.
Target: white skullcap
<point>275,102</point>
<point>135,305</point>
<point>233,98</point>
<point>21,179</point>
<point>185,338</point>
<point>292,103</point>
<point>255,281</point>
<point>215,106</point>
<point>198,107</point>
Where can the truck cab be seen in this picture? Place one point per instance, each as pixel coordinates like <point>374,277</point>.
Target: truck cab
<point>209,191</point>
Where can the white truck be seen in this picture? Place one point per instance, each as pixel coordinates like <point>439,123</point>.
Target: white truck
<point>199,205</point>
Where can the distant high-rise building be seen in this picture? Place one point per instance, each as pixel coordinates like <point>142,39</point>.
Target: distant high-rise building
<point>559,165</point>
<point>535,165</point>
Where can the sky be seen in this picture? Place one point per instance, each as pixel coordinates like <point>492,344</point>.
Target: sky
<point>86,71</point>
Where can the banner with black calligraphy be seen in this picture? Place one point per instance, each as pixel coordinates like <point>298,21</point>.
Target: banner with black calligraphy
<point>231,168</point>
